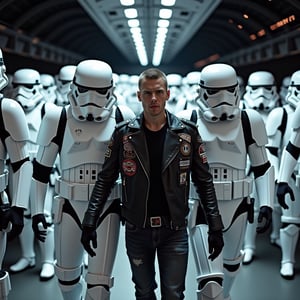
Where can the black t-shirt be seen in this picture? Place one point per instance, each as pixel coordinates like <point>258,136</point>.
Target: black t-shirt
<point>157,203</point>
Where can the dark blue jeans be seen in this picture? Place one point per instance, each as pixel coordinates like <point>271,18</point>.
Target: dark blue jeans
<point>171,247</point>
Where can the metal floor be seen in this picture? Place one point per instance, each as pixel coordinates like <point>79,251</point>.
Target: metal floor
<point>258,281</point>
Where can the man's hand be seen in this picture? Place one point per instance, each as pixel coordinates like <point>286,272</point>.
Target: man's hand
<point>215,243</point>
<point>38,224</point>
<point>89,235</point>
<point>282,189</point>
<point>264,219</point>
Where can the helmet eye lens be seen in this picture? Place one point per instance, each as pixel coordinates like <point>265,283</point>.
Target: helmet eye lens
<point>212,91</point>
<point>101,91</point>
<point>28,86</point>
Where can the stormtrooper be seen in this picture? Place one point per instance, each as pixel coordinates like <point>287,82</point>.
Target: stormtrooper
<point>177,101</point>
<point>48,87</point>
<point>191,89</point>
<point>63,81</point>
<point>261,95</point>
<point>288,180</point>
<point>27,91</point>
<point>79,133</point>
<point>229,135</point>
<point>14,137</point>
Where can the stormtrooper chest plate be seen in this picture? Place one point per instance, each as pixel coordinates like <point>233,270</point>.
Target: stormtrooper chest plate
<point>85,142</point>
<point>224,143</point>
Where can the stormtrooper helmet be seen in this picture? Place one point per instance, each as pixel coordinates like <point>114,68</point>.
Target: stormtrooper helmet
<point>91,92</point>
<point>63,82</point>
<point>26,88</point>
<point>3,76</point>
<point>48,87</point>
<point>293,94</point>
<point>261,92</point>
<point>219,93</point>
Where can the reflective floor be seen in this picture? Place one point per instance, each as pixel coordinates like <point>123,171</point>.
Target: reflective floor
<point>258,281</point>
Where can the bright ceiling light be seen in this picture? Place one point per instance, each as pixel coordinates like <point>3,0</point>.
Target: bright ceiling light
<point>163,23</point>
<point>130,13</point>
<point>168,2</point>
<point>165,13</point>
<point>133,23</point>
<point>127,2</point>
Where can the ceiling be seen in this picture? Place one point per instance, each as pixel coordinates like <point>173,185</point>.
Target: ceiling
<point>66,31</point>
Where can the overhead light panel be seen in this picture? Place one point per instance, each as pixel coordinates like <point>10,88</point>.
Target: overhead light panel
<point>133,23</point>
<point>165,13</point>
<point>130,13</point>
<point>127,2</point>
<point>168,2</point>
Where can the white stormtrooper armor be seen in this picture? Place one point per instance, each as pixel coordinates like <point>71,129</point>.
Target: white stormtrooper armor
<point>223,126</point>
<point>63,81</point>
<point>284,89</point>
<point>261,95</point>
<point>176,101</point>
<point>13,144</point>
<point>289,173</point>
<point>261,91</point>
<point>191,88</point>
<point>80,133</point>
<point>27,91</point>
<point>48,87</point>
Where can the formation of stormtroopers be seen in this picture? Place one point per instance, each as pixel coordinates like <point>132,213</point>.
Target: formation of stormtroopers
<point>65,122</point>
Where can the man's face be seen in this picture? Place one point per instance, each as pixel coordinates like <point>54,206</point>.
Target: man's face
<point>153,95</point>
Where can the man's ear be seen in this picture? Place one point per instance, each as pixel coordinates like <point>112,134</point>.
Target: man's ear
<point>138,94</point>
<point>168,93</point>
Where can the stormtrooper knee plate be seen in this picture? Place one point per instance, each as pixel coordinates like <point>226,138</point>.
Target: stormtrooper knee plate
<point>70,282</point>
<point>231,269</point>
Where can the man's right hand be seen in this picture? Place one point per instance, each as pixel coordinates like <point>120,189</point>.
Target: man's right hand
<point>89,235</point>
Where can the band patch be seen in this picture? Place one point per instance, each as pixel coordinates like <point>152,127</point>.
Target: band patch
<point>185,148</point>
<point>128,151</point>
<point>202,154</point>
<point>185,137</point>
<point>129,167</point>
<point>184,164</point>
<point>183,178</point>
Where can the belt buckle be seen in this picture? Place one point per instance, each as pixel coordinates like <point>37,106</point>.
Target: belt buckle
<point>155,221</point>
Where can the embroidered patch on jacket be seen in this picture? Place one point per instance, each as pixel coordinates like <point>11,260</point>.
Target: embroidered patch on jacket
<point>128,150</point>
<point>129,167</point>
<point>185,148</point>
<point>184,164</point>
<point>182,178</point>
<point>202,154</point>
<point>185,137</point>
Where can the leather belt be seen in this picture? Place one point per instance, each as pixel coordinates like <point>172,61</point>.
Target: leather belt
<point>162,221</point>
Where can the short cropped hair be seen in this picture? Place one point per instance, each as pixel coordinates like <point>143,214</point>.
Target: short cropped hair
<point>153,73</point>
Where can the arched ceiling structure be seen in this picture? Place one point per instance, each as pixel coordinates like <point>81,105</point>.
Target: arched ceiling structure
<point>66,31</point>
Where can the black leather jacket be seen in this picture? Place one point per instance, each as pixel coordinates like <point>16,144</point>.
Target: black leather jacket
<point>183,155</point>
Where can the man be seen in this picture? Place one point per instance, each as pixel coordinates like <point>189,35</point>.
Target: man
<point>155,154</point>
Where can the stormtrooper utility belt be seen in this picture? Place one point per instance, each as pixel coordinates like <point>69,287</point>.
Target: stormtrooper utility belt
<point>82,191</point>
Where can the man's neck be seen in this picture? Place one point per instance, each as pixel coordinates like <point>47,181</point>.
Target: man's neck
<point>155,124</point>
